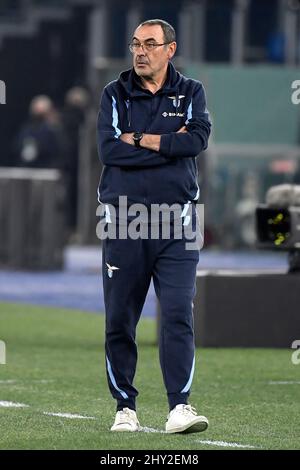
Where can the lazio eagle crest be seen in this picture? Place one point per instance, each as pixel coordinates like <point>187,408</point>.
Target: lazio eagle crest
<point>179,97</point>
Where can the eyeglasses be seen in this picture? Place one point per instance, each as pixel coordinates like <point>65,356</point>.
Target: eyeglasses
<point>147,46</point>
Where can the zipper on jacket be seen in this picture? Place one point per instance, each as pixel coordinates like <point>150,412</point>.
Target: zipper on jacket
<point>128,107</point>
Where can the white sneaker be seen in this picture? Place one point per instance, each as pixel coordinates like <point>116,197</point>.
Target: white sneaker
<point>126,420</point>
<point>184,418</point>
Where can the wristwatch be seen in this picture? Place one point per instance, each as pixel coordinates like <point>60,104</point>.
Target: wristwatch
<point>137,137</point>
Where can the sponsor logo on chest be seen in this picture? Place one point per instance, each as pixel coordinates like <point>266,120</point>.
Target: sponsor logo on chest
<point>165,114</point>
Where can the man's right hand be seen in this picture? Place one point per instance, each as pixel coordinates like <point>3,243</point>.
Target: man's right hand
<point>182,129</point>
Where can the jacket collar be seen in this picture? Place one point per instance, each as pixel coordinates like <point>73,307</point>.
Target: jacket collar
<point>131,82</point>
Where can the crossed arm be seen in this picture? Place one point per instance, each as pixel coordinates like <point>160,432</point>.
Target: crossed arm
<point>117,149</point>
<point>148,141</point>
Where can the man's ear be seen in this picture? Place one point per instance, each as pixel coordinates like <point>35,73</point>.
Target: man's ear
<point>172,50</point>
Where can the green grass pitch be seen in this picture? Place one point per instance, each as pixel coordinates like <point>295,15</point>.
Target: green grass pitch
<point>55,363</point>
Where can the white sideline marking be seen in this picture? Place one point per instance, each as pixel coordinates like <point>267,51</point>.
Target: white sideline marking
<point>8,381</point>
<point>68,415</point>
<point>10,404</point>
<point>226,444</point>
<point>146,429</point>
<point>282,382</point>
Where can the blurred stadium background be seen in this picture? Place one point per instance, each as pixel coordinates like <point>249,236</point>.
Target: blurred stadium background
<point>246,52</point>
<point>55,58</point>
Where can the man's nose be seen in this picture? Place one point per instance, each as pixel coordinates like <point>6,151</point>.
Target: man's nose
<point>141,55</point>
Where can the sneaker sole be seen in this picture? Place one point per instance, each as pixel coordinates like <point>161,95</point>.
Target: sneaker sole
<point>194,426</point>
<point>120,429</point>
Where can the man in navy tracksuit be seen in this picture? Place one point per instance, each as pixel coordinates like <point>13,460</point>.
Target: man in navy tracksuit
<point>152,124</point>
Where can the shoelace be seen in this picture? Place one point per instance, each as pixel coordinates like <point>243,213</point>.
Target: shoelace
<point>187,409</point>
<point>125,415</point>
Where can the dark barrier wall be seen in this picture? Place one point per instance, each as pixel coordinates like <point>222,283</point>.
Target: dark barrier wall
<point>32,218</point>
<point>247,310</point>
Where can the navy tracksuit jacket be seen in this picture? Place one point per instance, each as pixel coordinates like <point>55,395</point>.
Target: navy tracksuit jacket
<point>148,177</point>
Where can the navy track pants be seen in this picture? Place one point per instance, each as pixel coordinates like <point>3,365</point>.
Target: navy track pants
<point>173,269</point>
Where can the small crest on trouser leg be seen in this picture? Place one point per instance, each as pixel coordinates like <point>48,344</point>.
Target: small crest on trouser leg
<point>111,269</point>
